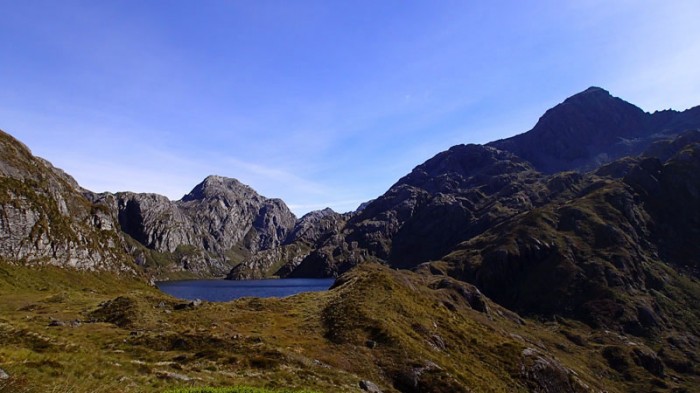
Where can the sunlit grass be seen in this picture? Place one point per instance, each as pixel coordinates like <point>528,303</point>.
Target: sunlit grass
<point>237,389</point>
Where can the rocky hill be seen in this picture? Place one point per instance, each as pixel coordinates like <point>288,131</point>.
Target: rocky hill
<point>45,219</point>
<point>219,224</point>
<point>450,198</point>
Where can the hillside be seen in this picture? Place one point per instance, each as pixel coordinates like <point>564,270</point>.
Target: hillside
<point>64,330</point>
<point>45,219</point>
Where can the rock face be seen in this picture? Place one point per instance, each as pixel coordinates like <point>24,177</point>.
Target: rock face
<point>44,218</point>
<point>451,197</point>
<point>214,227</point>
<point>608,252</point>
<point>592,128</point>
<point>313,228</point>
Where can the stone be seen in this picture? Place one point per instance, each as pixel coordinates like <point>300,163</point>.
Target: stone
<point>55,323</point>
<point>4,374</point>
<point>171,375</point>
<point>370,387</point>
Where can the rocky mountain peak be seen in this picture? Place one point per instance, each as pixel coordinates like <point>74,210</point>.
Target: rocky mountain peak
<point>217,186</point>
<point>593,93</point>
<point>584,131</point>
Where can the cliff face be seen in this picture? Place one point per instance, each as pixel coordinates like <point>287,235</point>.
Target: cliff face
<point>44,218</point>
<point>453,197</point>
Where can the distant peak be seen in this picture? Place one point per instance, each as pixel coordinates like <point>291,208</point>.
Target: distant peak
<point>218,179</point>
<point>214,185</point>
<point>592,93</point>
<point>595,89</point>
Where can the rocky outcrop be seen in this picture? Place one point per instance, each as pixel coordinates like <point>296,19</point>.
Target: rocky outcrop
<point>461,192</point>
<point>313,228</point>
<point>275,262</point>
<point>44,218</point>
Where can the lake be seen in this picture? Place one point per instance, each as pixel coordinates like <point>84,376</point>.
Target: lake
<point>225,290</point>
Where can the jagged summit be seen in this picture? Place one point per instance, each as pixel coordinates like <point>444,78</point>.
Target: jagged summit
<point>214,185</point>
<point>591,92</point>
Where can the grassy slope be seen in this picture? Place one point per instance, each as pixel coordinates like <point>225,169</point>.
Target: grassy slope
<point>424,339</point>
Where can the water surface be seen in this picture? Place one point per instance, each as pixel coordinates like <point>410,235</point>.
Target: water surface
<point>225,290</point>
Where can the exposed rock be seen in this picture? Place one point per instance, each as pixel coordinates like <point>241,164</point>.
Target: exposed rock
<point>171,375</point>
<point>452,197</point>
<point>219,224</point>
<point>4,375</point>
<point>312,229</point>
<point>370,387</point>
<point>603,252</point>
<point>649,361</point>
<point>315,225</point>
<point>121,311</point>
<point>55,322</point>
<point>544,374</point>
<point>190,305</point>
<point>45,220</point>
<point>464,293</point>
<point>274,262</point>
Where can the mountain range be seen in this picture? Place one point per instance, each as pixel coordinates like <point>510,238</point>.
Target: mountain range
<point>592,216</point>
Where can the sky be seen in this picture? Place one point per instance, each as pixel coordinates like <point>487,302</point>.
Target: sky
<point>320,103</point>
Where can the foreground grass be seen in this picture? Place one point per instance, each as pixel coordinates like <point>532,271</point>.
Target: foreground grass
<point>237,389</point>
<point>64,331</point>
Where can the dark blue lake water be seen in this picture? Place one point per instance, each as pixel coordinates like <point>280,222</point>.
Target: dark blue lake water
<point>225,290</point>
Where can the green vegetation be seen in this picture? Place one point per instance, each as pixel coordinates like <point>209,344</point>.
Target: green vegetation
<point>78,332</point>
<point>237,389</point>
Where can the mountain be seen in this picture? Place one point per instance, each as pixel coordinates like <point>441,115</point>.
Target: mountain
<point>45,219</point>
<point>608,251</point>
<point>592,128</point>
<point>211,229</point>
<point>461,192</point>
<point>448,199</point>
<point>311,229</point>
<point>487,268</point>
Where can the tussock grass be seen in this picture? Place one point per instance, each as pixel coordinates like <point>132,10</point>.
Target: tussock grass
<point>401,330</point>
<point>237,389</point>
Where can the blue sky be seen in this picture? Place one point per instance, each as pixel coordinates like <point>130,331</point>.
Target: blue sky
<point>320,103</point>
